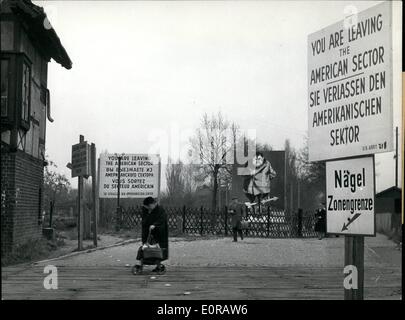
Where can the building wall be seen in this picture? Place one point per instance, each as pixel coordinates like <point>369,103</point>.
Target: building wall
<point>22,170</point>
<point>28,208</point>
<point>383,205</point>
<point>7,200</point>
<point>7,35</point>
<point>22,197</point>
<point>35,137</point>
<point>383,222</point>
<point>26,50</point>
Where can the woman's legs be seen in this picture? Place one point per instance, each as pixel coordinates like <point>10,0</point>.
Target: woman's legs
<point>139,256</point>
<point>235,235</point>
<point>240,231</point>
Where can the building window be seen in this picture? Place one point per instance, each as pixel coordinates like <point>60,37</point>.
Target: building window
<point>25,94</point>
<point>6,136</point>
<point>4,86</point>
<point>21,139</point>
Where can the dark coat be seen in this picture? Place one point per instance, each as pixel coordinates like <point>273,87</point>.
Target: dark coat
<point>160,234</point>
<point>259,182</point>
<point>320,225</point>
<point>236,212</point>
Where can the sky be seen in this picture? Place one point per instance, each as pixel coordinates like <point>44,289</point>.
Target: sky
<point>148,69</point>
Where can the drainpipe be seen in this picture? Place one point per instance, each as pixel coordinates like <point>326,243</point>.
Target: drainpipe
<point>48,106</point>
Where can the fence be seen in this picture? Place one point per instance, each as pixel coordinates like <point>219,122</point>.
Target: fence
<point>271,223</point>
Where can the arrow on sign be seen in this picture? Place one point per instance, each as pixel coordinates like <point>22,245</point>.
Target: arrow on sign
<point>350,221</point>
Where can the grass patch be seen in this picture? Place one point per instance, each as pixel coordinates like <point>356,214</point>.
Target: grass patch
<point>31,251</point>
<point>122,233</point>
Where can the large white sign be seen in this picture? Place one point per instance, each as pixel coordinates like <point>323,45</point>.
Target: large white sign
<point>350,196</point>
<point>140,176</point>
<point>81,160</point>
<point>350,86</point>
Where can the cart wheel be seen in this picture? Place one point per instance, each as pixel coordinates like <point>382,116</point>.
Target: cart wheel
<point>137,269</point>
<point>162,270</point>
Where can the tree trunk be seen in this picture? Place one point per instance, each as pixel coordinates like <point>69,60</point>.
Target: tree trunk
<point>215,189</point>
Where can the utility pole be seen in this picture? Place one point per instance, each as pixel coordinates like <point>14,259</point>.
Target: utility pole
<point>79,208</point>
<point>94,191</point>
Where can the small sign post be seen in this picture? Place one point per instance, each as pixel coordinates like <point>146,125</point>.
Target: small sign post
<point>79,169</point>
<point>83,165</point>
<point>94,192</point>
<point>350,202</point>
<point>81,159</point>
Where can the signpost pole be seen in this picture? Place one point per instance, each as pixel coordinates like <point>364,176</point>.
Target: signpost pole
<point>285,185</point>
<point>354,256</point>
<point>93,192</point>
<point>160,166</point>
<point>79,208</point>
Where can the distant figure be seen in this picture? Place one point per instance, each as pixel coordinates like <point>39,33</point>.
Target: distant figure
<point>235,210</point>
<point>320,224</point>
<point>154,220</point>
<point>257,185</point>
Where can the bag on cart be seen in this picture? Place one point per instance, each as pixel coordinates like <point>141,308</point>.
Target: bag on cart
<point>152,251</point>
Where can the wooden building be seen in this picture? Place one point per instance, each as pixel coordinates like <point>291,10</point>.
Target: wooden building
<point>28,42</point>
<point>388,210</point>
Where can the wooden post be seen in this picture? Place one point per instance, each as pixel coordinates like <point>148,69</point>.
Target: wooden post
<point>79,208</point>
<point>86,216</point>
<point>94,192</point>
<point>268,221</point>
<point>100,202</point>
<point>354,255</point>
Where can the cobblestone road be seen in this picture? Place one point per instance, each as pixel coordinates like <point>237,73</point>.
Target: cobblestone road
<point>214,269</point>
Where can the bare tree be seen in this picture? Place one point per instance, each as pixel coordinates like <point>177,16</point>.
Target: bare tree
<point>312,177</point>
<point>175,181</point>
<point>211,145</point>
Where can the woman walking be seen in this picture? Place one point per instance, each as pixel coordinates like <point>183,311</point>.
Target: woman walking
<point>154,223</point>
<point>235,210</point>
